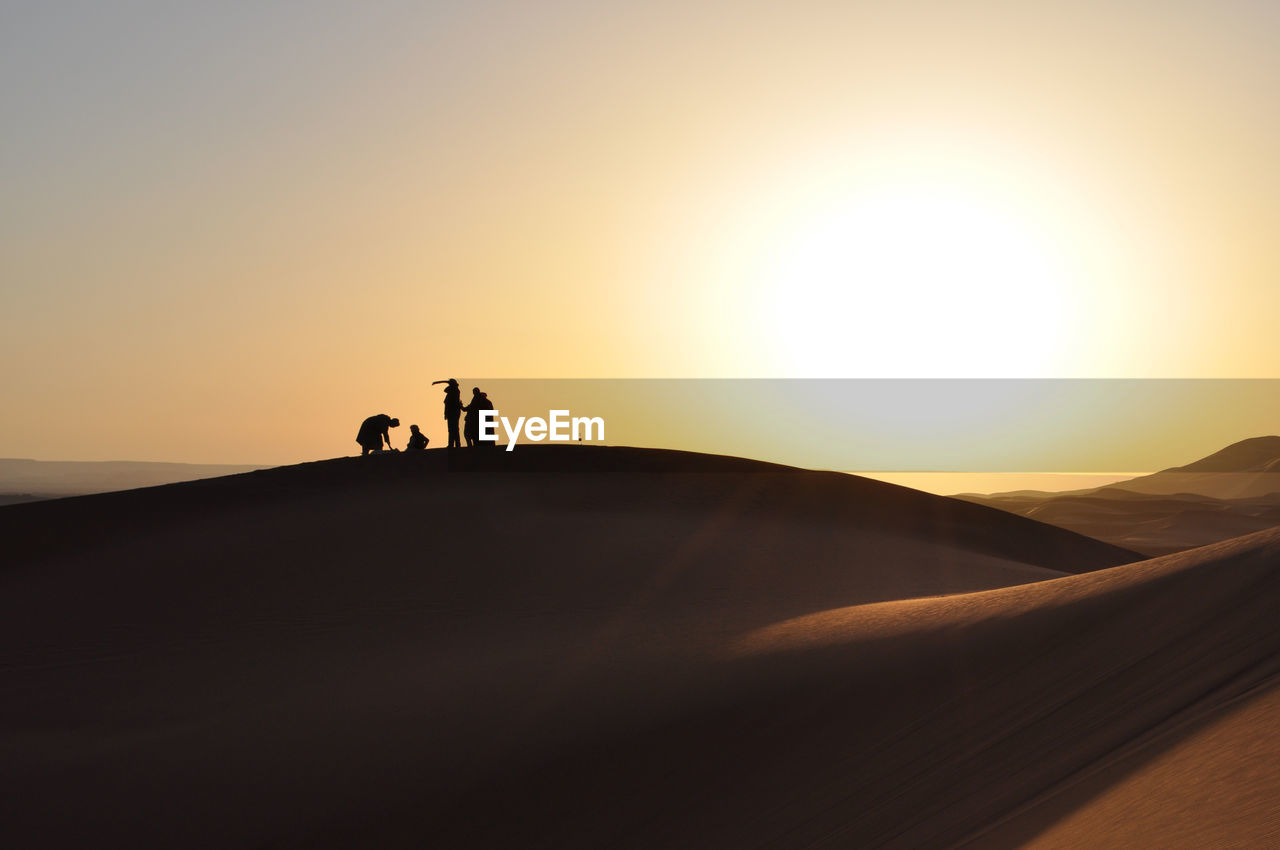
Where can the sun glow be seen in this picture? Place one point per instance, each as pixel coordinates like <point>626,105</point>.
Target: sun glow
<point>915,281</point>
<point>914,255</point>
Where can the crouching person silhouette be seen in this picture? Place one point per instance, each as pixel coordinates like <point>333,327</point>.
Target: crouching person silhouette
<point>417,440</point>
<point>373,431</point>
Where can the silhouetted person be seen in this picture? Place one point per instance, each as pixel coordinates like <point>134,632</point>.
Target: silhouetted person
<point>485,404</point>
<point>452,410</point>
<point>373,431</point>
<point>471,426</point>
<point>417,440</point>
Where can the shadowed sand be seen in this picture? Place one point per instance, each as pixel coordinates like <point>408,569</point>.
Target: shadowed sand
<point>664,650</point>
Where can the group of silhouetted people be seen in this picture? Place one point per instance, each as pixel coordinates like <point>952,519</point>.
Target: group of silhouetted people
<point>375,430</point>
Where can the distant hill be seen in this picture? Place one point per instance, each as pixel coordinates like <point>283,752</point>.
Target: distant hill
<point>1231,492</point>
<point>1258,454</point>
<point>1243,470</point>
<point>19,498</point>
<point>22,479</point>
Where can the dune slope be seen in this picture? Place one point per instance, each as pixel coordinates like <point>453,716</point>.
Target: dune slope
<point>1210,781</point>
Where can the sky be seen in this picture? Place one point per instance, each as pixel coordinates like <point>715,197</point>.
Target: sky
<point>229,231</point>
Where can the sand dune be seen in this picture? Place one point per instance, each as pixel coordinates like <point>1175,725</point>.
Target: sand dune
<point>1233,492</point>
<point>1217,485</point>
<point>1244,470</point>
<point>1256,454</point>
<point>663,650</point>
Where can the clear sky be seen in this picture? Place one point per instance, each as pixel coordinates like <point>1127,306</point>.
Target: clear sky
<point>229,231</point>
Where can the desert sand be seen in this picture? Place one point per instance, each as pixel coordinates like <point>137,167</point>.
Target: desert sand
<point>592,647</point>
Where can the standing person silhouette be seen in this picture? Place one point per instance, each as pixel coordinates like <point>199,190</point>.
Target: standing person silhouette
<point>471,426</point>
<point>452,409</point>
<point>373,431</point>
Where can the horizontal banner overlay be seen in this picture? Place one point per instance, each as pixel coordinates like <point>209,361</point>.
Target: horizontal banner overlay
<point>1023,426</point>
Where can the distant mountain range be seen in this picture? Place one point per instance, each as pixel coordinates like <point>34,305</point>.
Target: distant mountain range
<point>1244,470</point>
<point>23,480</point>
<point>1231,492</point>
<point>1259,454</point>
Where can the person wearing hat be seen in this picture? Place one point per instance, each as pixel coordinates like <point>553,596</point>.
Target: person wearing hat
<point>417,440</point>
<point>452,410</point>
<point>373,431</point>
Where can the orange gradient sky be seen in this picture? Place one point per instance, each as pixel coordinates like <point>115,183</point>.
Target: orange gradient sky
<point>228,232</point>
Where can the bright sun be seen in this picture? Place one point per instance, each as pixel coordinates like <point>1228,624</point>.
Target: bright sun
<point>915,281</point>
